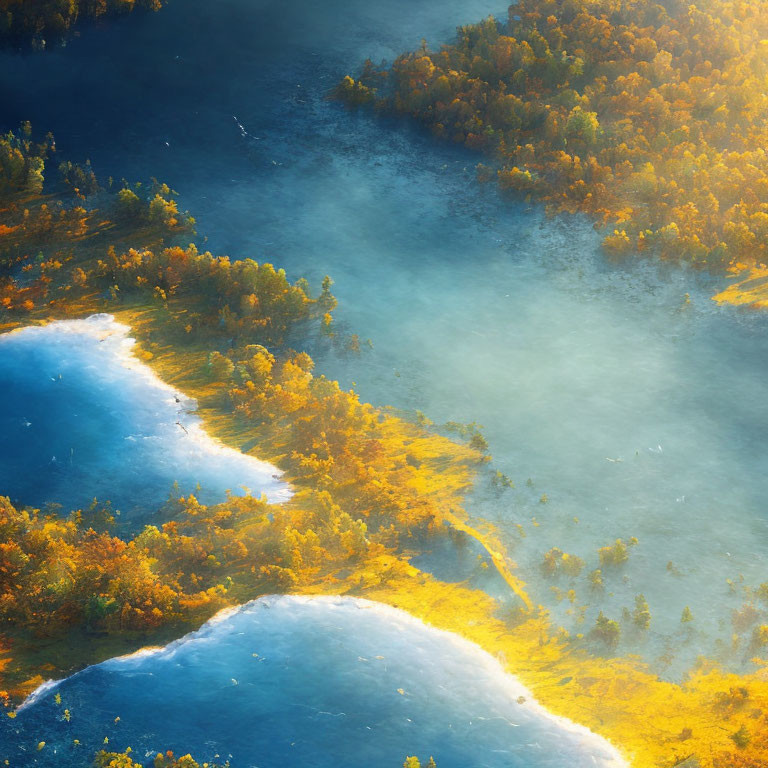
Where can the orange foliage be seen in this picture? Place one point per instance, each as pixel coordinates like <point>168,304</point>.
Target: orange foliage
<point>649,117</point>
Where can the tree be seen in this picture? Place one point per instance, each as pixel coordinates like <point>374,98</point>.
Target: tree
<point>641,616</point>
<point>162,211</point>
<point>582,126</point>
<point>354,92</point>
<point>741,738</point>
<point>219,367</point>
<point>607,631</point>
<point>414,762</point>
<point>614,555</point>
<point>327,301</point>
<point>128,204</point>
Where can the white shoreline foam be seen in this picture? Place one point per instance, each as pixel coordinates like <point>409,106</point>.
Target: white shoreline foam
<point>512,684</point>
<point>40,691</point>
<point>104,328</point>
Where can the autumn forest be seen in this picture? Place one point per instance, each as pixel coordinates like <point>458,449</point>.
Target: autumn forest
<point>478,332</point>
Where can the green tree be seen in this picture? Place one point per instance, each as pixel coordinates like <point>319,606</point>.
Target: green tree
<point>219,367</point>
<point>582,126</point>
<point>607,631</point>
<point>741,738</point>
<point>128,204</point>
<point>641,616</point>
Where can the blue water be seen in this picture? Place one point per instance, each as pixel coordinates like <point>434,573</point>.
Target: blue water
<point>637,413</point>
<point>316,682</point>
<point>81,418</point>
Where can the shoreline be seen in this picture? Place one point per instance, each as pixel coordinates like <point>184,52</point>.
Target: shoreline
<point>100,324</point>
<point>103,326</point>
<point>616,698</point>
<point>511,682</point>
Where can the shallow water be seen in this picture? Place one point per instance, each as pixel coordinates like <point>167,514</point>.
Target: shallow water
<point>636,413</point>
<point>304,681</point>
<point>80,418</point>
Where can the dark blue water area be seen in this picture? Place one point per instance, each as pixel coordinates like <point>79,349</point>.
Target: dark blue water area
<point>80,419</point>
<point>303,681</point>
<point>213,93</point>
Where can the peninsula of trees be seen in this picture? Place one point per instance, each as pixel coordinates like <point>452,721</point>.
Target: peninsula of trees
<point>650,117</point>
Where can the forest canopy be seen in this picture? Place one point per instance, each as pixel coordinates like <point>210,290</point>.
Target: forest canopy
<point>41,21</point>
<point>649,117</point>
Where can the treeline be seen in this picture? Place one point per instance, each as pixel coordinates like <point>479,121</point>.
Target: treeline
<point>106,759</point>
<point>22,162</point>
<point>46,21</point>
<point>59,246</point>
<point>58,573</point>
<point>650,117</point>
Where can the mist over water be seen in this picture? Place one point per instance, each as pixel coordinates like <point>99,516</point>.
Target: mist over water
<point>635,412</point>
<point>316,682</point>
